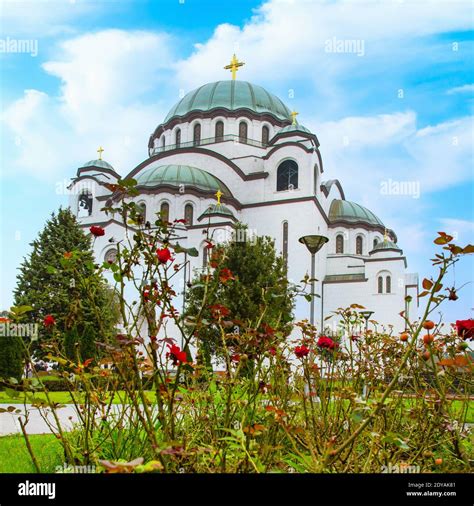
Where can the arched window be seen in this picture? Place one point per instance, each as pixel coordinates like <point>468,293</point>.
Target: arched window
<point>380,284</point>
<point>265,135</point>
<point>197,134</point>
<point>142,211</point>
<point>219,131</point>
<point>188,214</point>
<point>340,243</point>
<point>178,138</point>
<point>285,242</point>
<point>359,245</point>
<point>388,284</point>
<point>163,141</point>
<point>110,256</point>
<point>243,132</point>
<point>165,211</point>
<point>376,241</point>
<point>287,175</point>
<point>84,207</point>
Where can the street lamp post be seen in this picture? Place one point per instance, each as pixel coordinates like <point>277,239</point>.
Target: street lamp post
<point>314,243</point>
<point>366,315</point>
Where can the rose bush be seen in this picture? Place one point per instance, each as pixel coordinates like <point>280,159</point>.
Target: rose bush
<point>325,403</point>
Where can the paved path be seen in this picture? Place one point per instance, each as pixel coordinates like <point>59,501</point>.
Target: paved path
<point>36,425</point>
<point>9,423</point>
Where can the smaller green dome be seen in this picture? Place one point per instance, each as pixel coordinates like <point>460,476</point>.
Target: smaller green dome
<point>101,164</point>
<point>218,209</point>
<point>385,245</point>
<point>176,175</point>
<point>351,212</point>
<point>294,128</point>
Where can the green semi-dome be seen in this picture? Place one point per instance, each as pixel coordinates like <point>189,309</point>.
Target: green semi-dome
<point>175,175</point>
<point>101,164</point>
<point>385,244</point>
<point>294,128</point>
<point>230,95</point>
<point>219,209</point>
<point>343,210</point>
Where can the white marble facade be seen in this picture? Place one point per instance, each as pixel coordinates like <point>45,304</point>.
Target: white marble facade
<point>364,265</point>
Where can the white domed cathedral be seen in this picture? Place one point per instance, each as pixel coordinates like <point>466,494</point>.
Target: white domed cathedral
<point>239,141</point>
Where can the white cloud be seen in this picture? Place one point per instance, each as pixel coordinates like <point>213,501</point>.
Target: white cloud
<point>287,38</point>
<point>461,230</point>
<point>360,132</point>
<point>466,88</point>
<point>109,69</point>
<point>105,99</point>
<point>442,154</point>
<point>37,18</point>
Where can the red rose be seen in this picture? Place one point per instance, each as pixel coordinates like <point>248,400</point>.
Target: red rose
<point>235,357</point>
<point>465,328</point>
<point>326,342</point>
<point>176,354</point>
<point>301,351</point>
<point>49,321</point>
<point>164,255</point>
<point>225,275</point>
<point>219,311</point>
<point>97,231</point>
<point>272,351</point>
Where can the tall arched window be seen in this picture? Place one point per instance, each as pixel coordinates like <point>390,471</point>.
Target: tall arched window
<point>163,141</point>
<point>265,135</point>
<point>243,132</point>
<point>84,206</point>
<point>165,211</point>
<point>197,134</point>
<point>189,214</point>
<point>376,241</point>
<point>219,131</point>
<point>178,138</point>
<point>285,242</point>
<point>388,284</point>
<point>380,284</point>
<point>142,211</point>
<point>359,245</point>
<point>340,243</point>
<point>287,175</point>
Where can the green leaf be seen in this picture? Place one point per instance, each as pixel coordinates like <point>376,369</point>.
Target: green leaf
<point>14,394</point>
<point>19,310</point>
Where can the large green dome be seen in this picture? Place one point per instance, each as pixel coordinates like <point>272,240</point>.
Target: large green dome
<point>350,211</point>
<point>230,95</point>
<point>175,175</point>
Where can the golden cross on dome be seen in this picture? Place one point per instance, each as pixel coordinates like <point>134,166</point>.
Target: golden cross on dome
<point>100,151</point>
<point>234,66</point>
<point>219,195</point>
<point>293,115</point>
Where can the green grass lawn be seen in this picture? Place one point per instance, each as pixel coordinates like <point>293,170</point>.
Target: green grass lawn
<point>14,456</point>
<point>60,397</point>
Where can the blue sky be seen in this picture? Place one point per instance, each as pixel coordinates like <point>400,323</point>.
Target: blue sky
<point>107,72</point>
